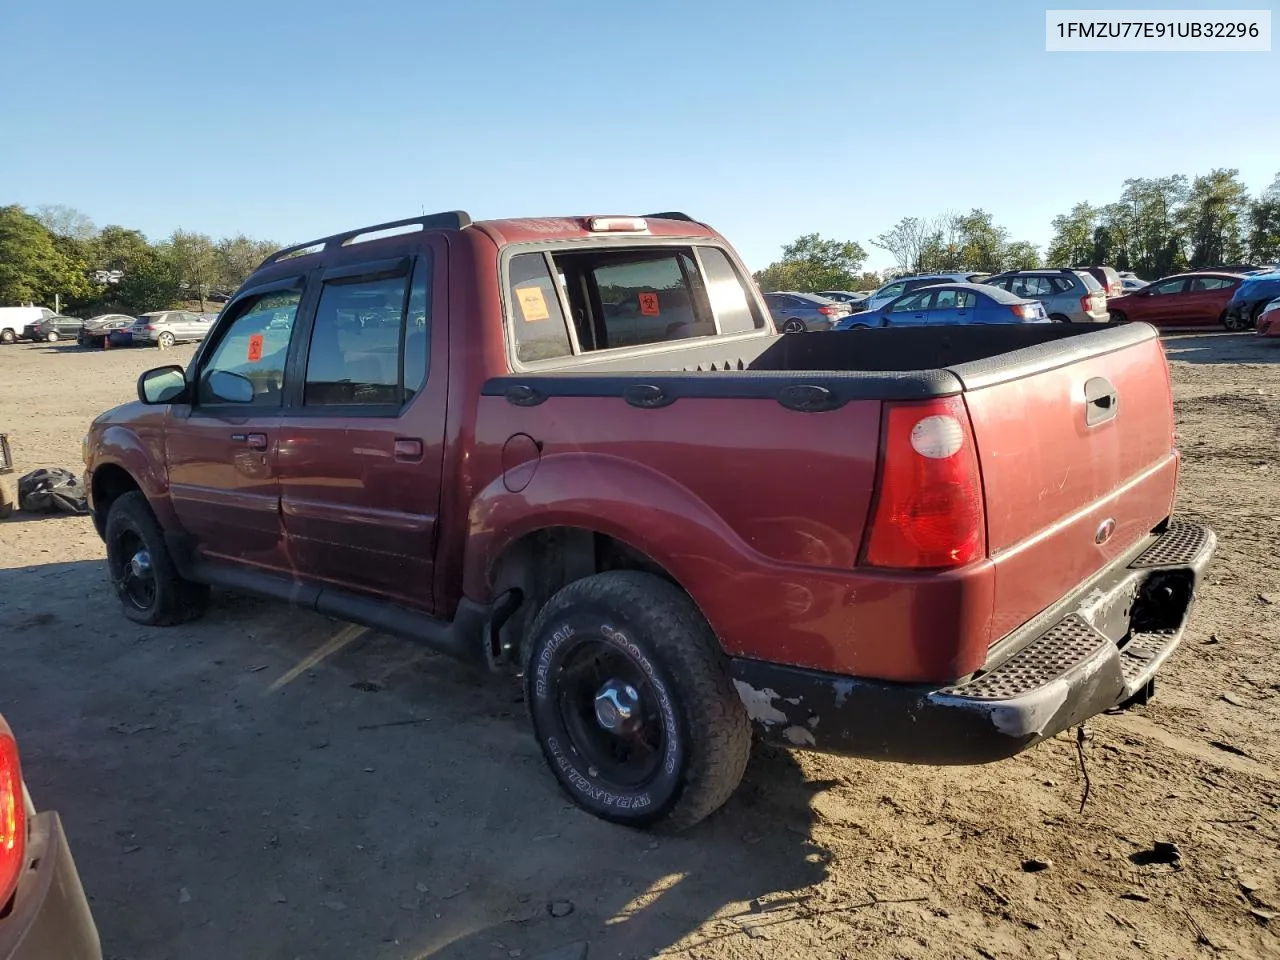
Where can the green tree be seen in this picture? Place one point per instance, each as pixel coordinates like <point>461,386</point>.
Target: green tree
<point>979,241</point>
<point>1148,218</point>
<point>1264,225</point>
<point>63,221</point>
<point>117,248</point>
<point>1020,255</point>
<point>33,269</point>
<point>1073,237</point>
<point>196,260</point>
<point>1214,219</point>
<point>238,257</point>
<point>908,240</point>
<point>152,282</point>
<point>811,263</point>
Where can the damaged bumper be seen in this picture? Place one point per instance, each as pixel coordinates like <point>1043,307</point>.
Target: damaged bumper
<point>1100,649</point>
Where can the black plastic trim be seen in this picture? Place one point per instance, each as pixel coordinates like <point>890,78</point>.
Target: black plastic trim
<point>827,390</point>
<point>368,270</point>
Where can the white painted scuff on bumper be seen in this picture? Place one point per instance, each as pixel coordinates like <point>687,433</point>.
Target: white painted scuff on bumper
<point>759,704</point>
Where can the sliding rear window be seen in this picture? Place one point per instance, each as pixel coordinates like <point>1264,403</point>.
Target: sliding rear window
<point>583,301</point>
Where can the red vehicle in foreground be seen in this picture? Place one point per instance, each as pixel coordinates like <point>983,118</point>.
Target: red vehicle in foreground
<point>1269,320</point>
<point>578,447</point>
<point>1185,300</point>
<point>43,910</point>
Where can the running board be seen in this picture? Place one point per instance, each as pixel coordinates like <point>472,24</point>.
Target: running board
<point>470,636</point>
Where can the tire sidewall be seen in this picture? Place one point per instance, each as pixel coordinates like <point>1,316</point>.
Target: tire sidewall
<point>555,639</point>
<point>120,520</point>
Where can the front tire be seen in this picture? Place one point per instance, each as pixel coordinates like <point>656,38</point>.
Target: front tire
<point>1235,322</point>
<point>52,337</point>
<point>150,589</point>
<point>632,703</point>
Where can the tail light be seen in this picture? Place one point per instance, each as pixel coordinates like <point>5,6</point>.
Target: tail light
<point>829,311</point>
<point>1024,311</point>
<point>13,818</point>
<point>929,510</point>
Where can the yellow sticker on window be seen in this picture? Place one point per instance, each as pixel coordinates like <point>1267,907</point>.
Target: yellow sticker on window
<point>533,305</point>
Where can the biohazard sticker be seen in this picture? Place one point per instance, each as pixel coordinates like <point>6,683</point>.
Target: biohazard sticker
<point>255,348</point>
<point>533,305</point>
<point>649,304</point>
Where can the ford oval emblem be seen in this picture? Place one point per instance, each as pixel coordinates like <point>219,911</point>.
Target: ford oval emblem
<point>1105,529</point>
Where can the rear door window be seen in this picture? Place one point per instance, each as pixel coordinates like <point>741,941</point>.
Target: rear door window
<point>913,303</point>
<point>1167,287</point>
<point>1209,283</point>
<point>562,303</point>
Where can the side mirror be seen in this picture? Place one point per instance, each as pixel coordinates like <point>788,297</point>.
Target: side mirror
<point>163,385</point>
<point>230,387</point>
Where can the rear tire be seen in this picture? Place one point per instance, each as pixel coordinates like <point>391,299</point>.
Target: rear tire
<point>632,703</point>
<point>794,325</point>
<point>1059,318</point>
<point>1117,316</point>
<point>142,571</point>
<point>52,337</point>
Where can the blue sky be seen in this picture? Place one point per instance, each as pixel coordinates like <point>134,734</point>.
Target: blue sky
<point>768,120</point>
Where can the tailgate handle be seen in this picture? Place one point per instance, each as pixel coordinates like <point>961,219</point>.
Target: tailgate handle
<point>523,395</point>
<point>647,395</point>
<point>1101,401</point>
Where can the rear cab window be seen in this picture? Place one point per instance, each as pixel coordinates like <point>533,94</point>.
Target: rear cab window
<point>568,302</point>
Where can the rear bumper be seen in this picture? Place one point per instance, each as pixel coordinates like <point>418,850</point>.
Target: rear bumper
<point>50,915</point>
<point>1103,653</point>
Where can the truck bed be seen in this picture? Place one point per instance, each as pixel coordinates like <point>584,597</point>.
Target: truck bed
<point>773,446</point>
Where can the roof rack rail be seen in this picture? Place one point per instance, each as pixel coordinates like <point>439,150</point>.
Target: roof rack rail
<point>449,220</point>
<point>671,215</point>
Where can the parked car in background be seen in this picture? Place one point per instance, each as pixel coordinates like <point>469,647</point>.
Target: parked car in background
<point>95,331</point>
<point>1249,300</point>
<point>15,321</point>
<point>1269,319</point>
<point>949,305</point>
<point>43,909</point>
<point>800,312</point>
<point>1131,284</point>
<point>1069,296</point>
<point>853,299</point>
<point>1185,300</point>
<point>53,328</point>
<point>1108,278</point>
<point>896,288</point>
<point>122,337</point>
<point>164,328</point>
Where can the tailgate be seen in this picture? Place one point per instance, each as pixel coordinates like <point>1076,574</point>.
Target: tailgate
<point>1075,443</point>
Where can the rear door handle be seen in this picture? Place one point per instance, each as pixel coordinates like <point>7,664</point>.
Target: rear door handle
<point>1101,401</point>
<point>254,441</point>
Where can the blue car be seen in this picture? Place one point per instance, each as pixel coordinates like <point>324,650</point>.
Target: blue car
<point>947,305</point>
<point>1249,300</point>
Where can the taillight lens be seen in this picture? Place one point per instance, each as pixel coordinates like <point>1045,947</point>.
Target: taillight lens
<point>1024,311</point>
<point>1086,303</point>
<point>929,511</point>
<point>828,311</point>
<point>13,819</point>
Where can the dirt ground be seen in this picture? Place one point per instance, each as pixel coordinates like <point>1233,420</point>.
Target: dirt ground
<point>272,784</point>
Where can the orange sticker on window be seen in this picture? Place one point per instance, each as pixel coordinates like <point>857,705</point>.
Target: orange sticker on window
<point>533,305</point>
<point>649,304</point>
<point>255,348</point>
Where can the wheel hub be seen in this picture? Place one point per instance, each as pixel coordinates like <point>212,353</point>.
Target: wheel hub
<point>140,565</point>
<point>618,707</point>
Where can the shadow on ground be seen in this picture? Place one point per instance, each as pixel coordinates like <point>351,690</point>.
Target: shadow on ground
<point>267,782</point>
<point>1222,348</point>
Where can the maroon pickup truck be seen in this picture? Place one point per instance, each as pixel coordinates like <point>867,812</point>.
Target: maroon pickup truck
<point>578,447</point>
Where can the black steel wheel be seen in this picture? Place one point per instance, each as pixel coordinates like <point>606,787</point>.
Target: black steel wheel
<point>631,701</point>
<point>145,579</point>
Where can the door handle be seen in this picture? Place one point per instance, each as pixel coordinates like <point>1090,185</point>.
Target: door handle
<point>1101,401</point>
<point>408,449</point>
<point>254,441</point>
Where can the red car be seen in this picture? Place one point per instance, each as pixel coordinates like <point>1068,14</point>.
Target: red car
<point>1184,300</point>
<point>1269,320</point>
<point>43,910</point>
<point>577,448</point>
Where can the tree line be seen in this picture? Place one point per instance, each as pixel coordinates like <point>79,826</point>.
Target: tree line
<point>1158,226</point>
<point>56,252</point>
